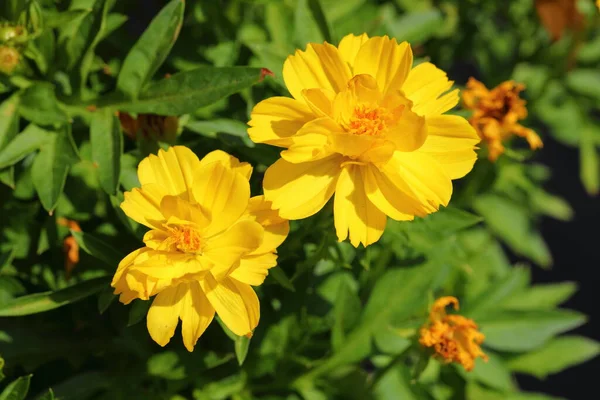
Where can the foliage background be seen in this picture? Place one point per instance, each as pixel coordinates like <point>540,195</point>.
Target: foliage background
<point>336,322</point>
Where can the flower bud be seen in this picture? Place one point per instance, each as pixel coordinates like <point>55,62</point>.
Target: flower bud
<point>9,59</point>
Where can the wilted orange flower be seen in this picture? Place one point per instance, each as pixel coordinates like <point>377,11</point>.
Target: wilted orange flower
<point>496,114</point>
<point>150,126</point>
<point>9,59</point>
<point>559,15</point>
<point>70,245</point>
<point>453,337</point>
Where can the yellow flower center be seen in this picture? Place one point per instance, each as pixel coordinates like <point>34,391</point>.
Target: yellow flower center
<point>368,120</point>
<point>186,239</point>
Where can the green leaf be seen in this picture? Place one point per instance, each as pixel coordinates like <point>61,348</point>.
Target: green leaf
<point>316,9</point>
<point>489,301</point>
<point>41,302</point>
<point>107,148</point>
<point>55,19</point>
<point>493,373</point>
<point>511,222</point>
<point>306,27</point>
<point>49,395</point>
<point>40,106</point>
<point>166,365</point>
<point>558,354</point>
<point>17,389</point>
<point>584,81</point>
<point>105,299</point>
<point>476,392</point>
<point>82,39</point>
<point>395,384</point>
<point>187,91</point>
<point>151,50</point>
<point>397,295</point>
<point>51,166</point>
<point>279,275</point>
<point>26,142</point>
<point>525,331</point>
<point>241,345</point>
<point>541,297</point>
<point>346,310</point>
<point>215,128</point>
<point>416,27</point>
<point>138,311</point>
<point>589,162</point>
<point>97,248</point>
<point>9,119</point>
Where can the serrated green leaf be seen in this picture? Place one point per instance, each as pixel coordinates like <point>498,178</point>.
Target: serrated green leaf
<point>558,354</point>
<point>241,345</point>
<point>26,142</point>
<point>106,140</point>
<point>151,50</point>
<point>525,331</point>
<point>51,166</point>
<point>185,92</point>
<point>492,373</point>
<point>541,297</point>
<point>17,389</point>
<point>138,311</point>
<point>46,301</point>
<point>97,248</point>
<point>40,105</point>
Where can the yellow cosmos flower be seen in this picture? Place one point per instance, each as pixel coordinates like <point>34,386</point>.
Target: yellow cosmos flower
<point>496,114</point>
<point>365,125</point>
<point>208,242</point>
<point>454,338</point>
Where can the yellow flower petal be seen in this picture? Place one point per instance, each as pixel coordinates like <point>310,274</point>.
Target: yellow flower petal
<point>163,315</point>
<point>319,100</point>
<point>451,142</point>
<point>273,121</point>
<point>353,212</point>
<point>226,249</point>
<point>425,87</point>
<point>409,132</point>
<point>320,66</point>
<point>173,170</point>
<point>300,190</point>
<point>349,46</point>
<point>228,161</point>
<point>311,142</point>
<point>392,195</point>
<point>170,265</point>
<point>254,269</point>
<point>275,228</point>
<point>223,193</point>
<point>236,303</point>
<point>175,207</point>
<point>143,205</point>
<point>423,175</point>
<point>385,60</point>
<point>196,314</point>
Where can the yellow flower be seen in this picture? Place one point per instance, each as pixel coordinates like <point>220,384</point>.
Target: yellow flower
<point>453,337</point>
<point>365,125</point>
<point>496,114</point>
<point>208,242</point>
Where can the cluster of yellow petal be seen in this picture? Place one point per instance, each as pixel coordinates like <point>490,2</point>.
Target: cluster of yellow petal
<point>453,337</point>
<point>208,242</point>
<point>367,126</point>
<point>496,114</point>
